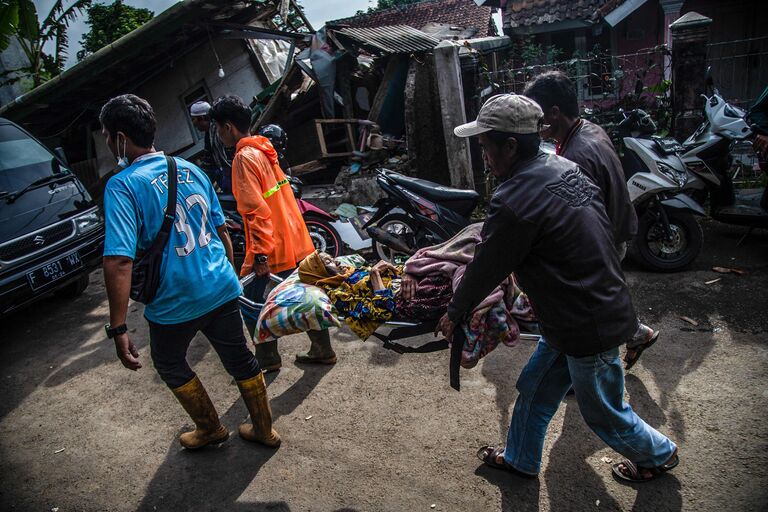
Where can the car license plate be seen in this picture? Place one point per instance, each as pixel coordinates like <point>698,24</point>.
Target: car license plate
<point>51,272</point>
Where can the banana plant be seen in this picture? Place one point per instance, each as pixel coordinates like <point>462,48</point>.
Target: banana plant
<point>18,18</point>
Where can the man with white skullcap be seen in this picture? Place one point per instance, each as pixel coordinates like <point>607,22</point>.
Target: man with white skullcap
<point>217,161</point>
<point>547,223</point>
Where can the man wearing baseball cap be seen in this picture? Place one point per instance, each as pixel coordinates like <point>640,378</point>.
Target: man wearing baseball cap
<point>547,224</point>
<point>217,161</point>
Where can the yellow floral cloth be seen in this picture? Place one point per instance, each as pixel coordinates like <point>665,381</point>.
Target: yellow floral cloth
<point>364,308</point>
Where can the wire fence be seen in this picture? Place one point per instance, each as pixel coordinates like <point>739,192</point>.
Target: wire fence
<point>605,83</point>
<point>739,68</point>
<point>740,72</point>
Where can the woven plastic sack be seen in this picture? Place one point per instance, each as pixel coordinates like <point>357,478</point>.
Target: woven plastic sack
<point>293,307</point>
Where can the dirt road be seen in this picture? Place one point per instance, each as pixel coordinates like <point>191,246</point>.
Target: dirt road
<point>382,431</point>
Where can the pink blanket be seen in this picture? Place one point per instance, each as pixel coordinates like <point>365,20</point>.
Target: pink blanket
<point>491,322</point>
<point>450,259</point>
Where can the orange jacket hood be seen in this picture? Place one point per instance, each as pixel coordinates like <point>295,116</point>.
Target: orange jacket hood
<point>260,143</point>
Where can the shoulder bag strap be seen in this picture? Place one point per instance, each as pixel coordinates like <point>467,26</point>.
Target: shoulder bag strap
<point>161,239</point>
<point>170,209</point>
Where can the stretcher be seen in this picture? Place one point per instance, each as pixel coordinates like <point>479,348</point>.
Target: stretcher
<point>401,329</point>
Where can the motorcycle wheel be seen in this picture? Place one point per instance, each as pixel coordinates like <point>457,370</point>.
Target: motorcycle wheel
<point>324,237</point>
<point>399,225</point>
<point>652,249</point>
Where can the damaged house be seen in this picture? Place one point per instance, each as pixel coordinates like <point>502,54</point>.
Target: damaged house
<point>386,89</point>
<point>185,54</point>
<point>364,92</point>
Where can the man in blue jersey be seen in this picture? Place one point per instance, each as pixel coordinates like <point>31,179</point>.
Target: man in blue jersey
<point>198,287</point>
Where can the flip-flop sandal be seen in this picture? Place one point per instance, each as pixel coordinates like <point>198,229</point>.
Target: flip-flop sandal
<point>633,473</point>
<point>489,455</point>
<point>638,350</point>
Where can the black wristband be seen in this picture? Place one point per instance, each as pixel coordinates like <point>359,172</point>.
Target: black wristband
<point>115,331</point>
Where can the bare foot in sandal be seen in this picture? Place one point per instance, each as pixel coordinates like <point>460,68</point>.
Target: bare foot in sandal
<point>629,472</point>
<point>493,456</point>
<point>642,340</point>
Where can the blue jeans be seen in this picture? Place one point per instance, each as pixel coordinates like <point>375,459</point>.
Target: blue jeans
<point>598,381</point>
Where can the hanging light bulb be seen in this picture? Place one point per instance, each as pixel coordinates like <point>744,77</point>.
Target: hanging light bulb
<point>215,54</point>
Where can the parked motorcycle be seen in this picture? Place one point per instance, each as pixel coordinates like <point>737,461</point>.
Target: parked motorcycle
<point>708,156</point>
<point>416,213</point>
<point>668,236</point>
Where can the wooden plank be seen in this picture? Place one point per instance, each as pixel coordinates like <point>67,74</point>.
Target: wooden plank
<point>410,105</point>
<point>307,167</point>
<point>321,138</point>
<point>451,92</point>
<point>276,101</point>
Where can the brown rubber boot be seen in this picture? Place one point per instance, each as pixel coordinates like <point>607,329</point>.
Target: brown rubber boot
<point>320,350</point>
<point>260,430</point>
<point>268,356</point>
<point>198,405</point>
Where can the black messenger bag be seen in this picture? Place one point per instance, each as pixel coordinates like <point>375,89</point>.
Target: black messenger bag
<point>145,277</point>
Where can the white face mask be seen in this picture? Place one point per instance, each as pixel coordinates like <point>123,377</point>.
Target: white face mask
<point>122,160</point>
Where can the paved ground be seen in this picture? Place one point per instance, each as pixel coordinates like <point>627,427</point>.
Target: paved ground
<point>381,431</point>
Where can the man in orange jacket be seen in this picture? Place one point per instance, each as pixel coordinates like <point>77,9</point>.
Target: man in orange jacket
<point>276,237</point>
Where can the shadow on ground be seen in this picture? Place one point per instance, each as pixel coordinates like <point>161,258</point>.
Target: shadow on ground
<point>219,476</point>
<point>47,335</point>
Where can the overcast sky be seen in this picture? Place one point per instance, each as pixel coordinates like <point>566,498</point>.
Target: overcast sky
<point>317,11</point>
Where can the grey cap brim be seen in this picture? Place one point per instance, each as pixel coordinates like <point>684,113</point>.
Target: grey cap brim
<point>470,129</point>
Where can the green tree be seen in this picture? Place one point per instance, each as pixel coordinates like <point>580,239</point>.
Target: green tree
<point>108,23</point>
<point>20,17</point>
<point>12,14</point>
<point>386,4</point>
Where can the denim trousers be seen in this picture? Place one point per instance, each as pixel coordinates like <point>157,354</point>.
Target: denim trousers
<point>598,381</point>
<point>224,329</point>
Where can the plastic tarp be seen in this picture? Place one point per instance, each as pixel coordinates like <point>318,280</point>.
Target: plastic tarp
<point>274,54</point>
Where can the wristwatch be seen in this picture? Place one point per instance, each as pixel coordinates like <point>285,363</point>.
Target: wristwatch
<point>261,258</point>
<point>115,331</point>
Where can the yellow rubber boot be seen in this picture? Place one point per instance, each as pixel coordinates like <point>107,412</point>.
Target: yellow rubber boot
<point>198,405</point>
<point>254,391</point>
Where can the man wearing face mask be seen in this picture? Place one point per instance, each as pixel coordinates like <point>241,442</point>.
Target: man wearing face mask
<point>588,145</point>
<point>547,224</point>
<point>198,288</point>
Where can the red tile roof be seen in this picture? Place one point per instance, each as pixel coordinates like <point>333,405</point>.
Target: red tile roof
<point>461,13</point>
<point>524,13</point>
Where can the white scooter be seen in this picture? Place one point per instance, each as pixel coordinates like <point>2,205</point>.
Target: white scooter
<point>707,155</point>
<point>669,237</point>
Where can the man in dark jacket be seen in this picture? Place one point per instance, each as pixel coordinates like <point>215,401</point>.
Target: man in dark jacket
<point>548,225</point>
<point>590,147</point>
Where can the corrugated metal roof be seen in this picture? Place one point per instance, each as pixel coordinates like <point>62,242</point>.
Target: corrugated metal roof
<point>462,13</point>
<point>391,39</point>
